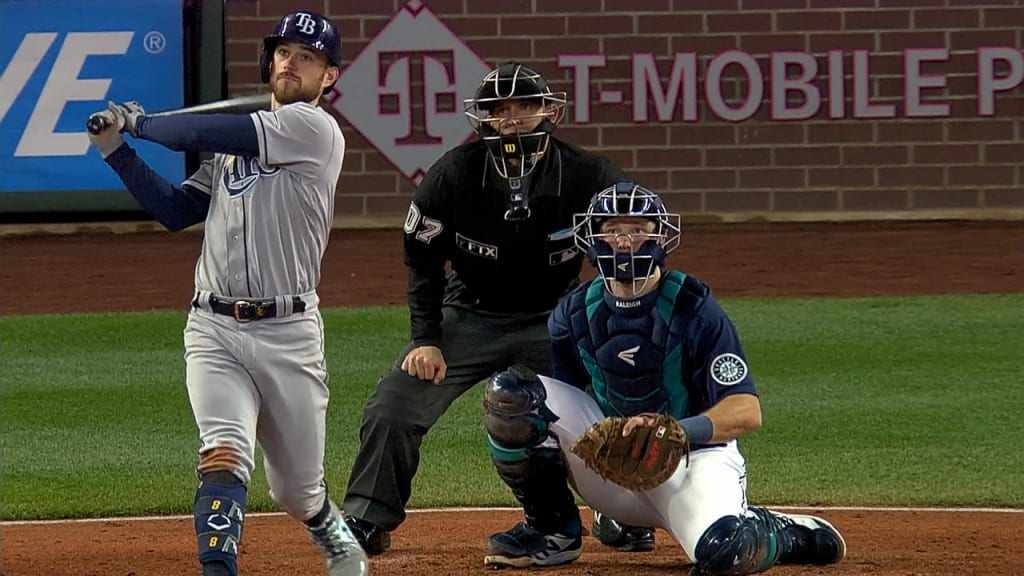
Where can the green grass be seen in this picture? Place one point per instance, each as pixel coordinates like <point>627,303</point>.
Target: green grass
<point>888,401</point>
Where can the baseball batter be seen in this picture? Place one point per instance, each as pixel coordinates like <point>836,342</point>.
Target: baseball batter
<point>254,349</point>
<point>642,339</point>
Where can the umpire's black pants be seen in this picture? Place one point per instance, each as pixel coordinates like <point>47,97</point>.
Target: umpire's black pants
<point>403,408</point>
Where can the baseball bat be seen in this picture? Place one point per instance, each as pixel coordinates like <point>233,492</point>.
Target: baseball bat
<point>238,105</point>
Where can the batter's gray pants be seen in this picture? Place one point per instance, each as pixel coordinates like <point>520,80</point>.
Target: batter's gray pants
<point>403,408</point>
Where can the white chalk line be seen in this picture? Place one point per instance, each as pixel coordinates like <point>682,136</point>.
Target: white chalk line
<point>506,509</point>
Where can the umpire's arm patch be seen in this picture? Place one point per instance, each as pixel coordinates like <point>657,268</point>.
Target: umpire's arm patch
<point>431,227</point>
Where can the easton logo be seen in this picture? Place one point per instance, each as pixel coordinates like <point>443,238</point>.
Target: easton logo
<point>627,355</point>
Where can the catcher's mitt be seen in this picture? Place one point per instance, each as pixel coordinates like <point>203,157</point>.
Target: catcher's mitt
<point>644,459</point>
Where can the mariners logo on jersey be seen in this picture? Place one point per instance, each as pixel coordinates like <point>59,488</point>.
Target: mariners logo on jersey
<point>241,173</point>
<point>728,369</point>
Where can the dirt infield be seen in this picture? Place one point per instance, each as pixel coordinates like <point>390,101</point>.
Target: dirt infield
<point>98,273</point>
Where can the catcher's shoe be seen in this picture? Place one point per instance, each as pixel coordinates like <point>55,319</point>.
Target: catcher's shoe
<point>810,539</point>
<point>341,550</point>
<point>622,537</point>
<point>374,539</point>
<point>523,546</point>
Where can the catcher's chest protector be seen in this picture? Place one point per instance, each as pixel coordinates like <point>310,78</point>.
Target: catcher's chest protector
<point>633,355</point>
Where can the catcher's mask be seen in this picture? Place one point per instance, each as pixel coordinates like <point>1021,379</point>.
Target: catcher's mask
<point>629,257</point>
<point>516,139</point>
<point>310,28</point>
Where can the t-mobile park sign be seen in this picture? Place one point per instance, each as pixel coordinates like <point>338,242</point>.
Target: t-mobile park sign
<point>403,92</point>
<point>789,74</point>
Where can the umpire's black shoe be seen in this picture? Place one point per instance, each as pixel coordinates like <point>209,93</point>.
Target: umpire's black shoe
<point>622,537</point>
<point>374,539</point>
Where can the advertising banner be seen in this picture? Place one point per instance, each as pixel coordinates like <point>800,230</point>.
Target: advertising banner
<point>62,60</point>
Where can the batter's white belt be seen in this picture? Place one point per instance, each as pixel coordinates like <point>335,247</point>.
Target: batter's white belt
<point>248,309</point>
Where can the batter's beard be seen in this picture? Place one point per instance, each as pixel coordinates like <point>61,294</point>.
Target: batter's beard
<point>291,91</point>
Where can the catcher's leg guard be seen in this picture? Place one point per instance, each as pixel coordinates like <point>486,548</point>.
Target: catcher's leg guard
<point>735,546</point>
<point>517,427</point>
<point>219,509</point>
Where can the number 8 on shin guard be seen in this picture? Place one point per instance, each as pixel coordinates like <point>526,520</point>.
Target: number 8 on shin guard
<point>219,512</point>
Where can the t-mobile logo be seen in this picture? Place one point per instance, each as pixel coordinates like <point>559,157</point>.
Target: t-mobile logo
<point>404,90</point>
<point>422,96</point>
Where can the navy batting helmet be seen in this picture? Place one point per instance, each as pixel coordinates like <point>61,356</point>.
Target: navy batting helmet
<point>626,199</point>
<point>310,28</point>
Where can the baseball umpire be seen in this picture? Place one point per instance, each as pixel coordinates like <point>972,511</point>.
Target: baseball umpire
<point>638,343</point>
<point>499,209</point>
<point>254,351</point>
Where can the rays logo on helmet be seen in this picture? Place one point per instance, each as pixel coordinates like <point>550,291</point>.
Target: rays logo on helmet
<point>728,369</point>
<point>306,24</point>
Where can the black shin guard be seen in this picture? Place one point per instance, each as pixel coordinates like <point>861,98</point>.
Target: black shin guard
<point>540,483</point>
<point>517,420</point>
<point>219,509</point>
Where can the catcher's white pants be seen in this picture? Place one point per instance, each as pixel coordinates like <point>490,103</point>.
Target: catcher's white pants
<point>712,486</point>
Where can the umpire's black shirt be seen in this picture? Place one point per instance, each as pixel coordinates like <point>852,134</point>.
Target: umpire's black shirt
<point>458,215</point>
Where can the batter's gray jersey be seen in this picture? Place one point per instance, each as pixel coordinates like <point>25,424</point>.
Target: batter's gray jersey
<point>270,217</point>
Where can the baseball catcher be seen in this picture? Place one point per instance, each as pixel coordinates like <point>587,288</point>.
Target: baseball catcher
<point>649,392</point>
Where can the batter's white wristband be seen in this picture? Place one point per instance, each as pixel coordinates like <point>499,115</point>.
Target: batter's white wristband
<point>699,429</point>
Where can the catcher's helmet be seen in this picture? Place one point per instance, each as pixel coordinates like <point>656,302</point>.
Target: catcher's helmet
<point>626,199</point>
<point>310,28</point>
<point>514,153</point>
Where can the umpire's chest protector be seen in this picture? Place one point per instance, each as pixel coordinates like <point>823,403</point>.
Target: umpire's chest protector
<point>633,350</point>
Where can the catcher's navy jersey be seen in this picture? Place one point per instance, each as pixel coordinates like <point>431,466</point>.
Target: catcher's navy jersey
<point>673,350</point>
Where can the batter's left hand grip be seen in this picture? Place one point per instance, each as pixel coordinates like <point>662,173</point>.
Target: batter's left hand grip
<point>97,123</point>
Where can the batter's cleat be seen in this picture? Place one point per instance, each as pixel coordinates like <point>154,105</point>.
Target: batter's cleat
<point>622,537</point>
<point>374,539</point>
<point>341,549</point>
<point>523,546</point>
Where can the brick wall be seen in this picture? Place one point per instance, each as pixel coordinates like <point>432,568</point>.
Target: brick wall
<point>858,160</point>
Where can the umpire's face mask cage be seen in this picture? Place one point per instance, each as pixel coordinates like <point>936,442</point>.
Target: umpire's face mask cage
<point>514,113</point>
<point>632,247</point>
